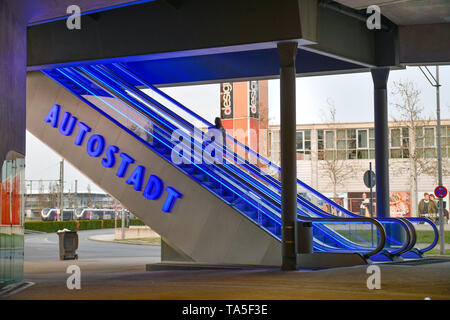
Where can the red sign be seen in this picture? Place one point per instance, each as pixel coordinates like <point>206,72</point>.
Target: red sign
<point>440,192</point>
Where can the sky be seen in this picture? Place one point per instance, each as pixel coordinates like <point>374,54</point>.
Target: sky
<point>351,94</point>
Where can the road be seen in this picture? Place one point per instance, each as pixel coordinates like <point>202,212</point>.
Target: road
<point>45,246</point>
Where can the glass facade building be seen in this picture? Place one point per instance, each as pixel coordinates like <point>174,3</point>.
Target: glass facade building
<point>11,220</point>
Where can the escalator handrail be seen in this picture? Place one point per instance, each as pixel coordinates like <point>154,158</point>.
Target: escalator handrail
<point>433,226</point>
<point>379,226</point>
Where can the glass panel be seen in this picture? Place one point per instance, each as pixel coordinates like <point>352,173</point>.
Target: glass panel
<point>351,134</point>
<point>429,137</point>
<point>362,138</point>
<point>352,154</point>
<point>419,142</point>
<point>405,142</point>
<point>341,145</point>
<point>396,153</point>
<point>308,145</point>
<point>307,134</point>
<point>320,145</point>
<point>405,132</point>
<point>299,140</point>
<point>405,153</point>
<point>419,153</point>
<point>342,155</point>
<point>372,154</point>
<point>329,155</point>
<point>363,154</point>
<point>372,144</point>
<point>340,134</point>
<point>351,144</point>
<point>395,138</point>
<point>329,143</point>
<point>371,133</point>
<point>430,153</point>
<point>320,134</point>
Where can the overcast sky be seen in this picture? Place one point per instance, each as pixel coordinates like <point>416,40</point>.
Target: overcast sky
<point>352,95</point>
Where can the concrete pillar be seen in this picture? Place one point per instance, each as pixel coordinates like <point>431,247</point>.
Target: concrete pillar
<point>13,60</point>
<point>287,52</point>
<point>380,77</point>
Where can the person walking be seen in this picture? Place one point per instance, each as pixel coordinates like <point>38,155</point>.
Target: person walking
<point>427,207</point>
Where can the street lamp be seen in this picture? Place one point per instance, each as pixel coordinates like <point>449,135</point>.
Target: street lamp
<point>435,83</point>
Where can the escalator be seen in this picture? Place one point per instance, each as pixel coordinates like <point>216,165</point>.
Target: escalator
<point>227,212</point>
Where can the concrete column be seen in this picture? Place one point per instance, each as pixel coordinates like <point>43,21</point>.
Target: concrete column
<point>13,60</point>
<point>287,52</point>
<point>380,77</point>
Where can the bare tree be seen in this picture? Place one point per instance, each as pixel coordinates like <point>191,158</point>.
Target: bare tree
<point>411,115</point>
<point>337,170</point>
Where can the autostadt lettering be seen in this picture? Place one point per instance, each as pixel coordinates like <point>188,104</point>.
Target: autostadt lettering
<point>96,147</point>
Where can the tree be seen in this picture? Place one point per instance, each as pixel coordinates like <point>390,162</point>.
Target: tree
<point>335,168</point>
<point>407,103</point>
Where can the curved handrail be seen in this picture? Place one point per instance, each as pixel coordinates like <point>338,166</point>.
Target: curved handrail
<point>379,226</point>
<point>413,233</point>
<point>433,226</point>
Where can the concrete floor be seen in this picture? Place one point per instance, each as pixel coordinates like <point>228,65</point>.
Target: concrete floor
<point>126,279</point>
<point>117,271</point>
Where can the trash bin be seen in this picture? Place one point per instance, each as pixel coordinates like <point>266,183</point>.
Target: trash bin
<point>68,244</point>
<point>304,237</point>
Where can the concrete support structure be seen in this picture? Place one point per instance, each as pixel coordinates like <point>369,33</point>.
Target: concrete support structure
<point>380,77</point>
<point>287,52</point>
<point>13,57</point>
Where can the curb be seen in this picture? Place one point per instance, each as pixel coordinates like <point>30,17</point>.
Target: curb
<point>92,238</point>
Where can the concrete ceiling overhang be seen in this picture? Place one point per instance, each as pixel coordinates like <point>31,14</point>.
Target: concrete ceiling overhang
<point>203,40</point>
<point>423,27</point>
<point>407,12</point>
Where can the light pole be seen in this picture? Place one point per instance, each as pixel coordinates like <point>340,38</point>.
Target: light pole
<point>436,84</point>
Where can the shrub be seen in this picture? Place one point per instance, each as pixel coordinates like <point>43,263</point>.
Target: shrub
<point>54,226</point>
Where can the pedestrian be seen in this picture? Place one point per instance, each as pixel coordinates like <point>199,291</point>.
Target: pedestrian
<point>219,137</point>
<point>426,206</point>
<point>364,206</point>
<point>219,133</point>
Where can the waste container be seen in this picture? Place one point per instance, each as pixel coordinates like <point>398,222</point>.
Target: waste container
<point>304,237</point>
<point>68,244</point>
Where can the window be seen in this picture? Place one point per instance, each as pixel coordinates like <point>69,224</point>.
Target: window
<point>344,144</point>
<point>303,144</point>
<point>363,143</point>
<point>299,140</point>
<point>399,143</point>
<point>426,142</point>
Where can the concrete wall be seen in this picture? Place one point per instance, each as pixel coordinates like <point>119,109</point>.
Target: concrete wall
<point>200,226</point>
<point>13,56</point>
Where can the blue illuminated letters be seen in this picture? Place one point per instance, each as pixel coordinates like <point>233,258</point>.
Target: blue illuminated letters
<point>96,146</point>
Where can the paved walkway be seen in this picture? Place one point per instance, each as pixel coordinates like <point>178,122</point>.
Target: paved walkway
<point>126,279</point>
<point>103,237</point>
